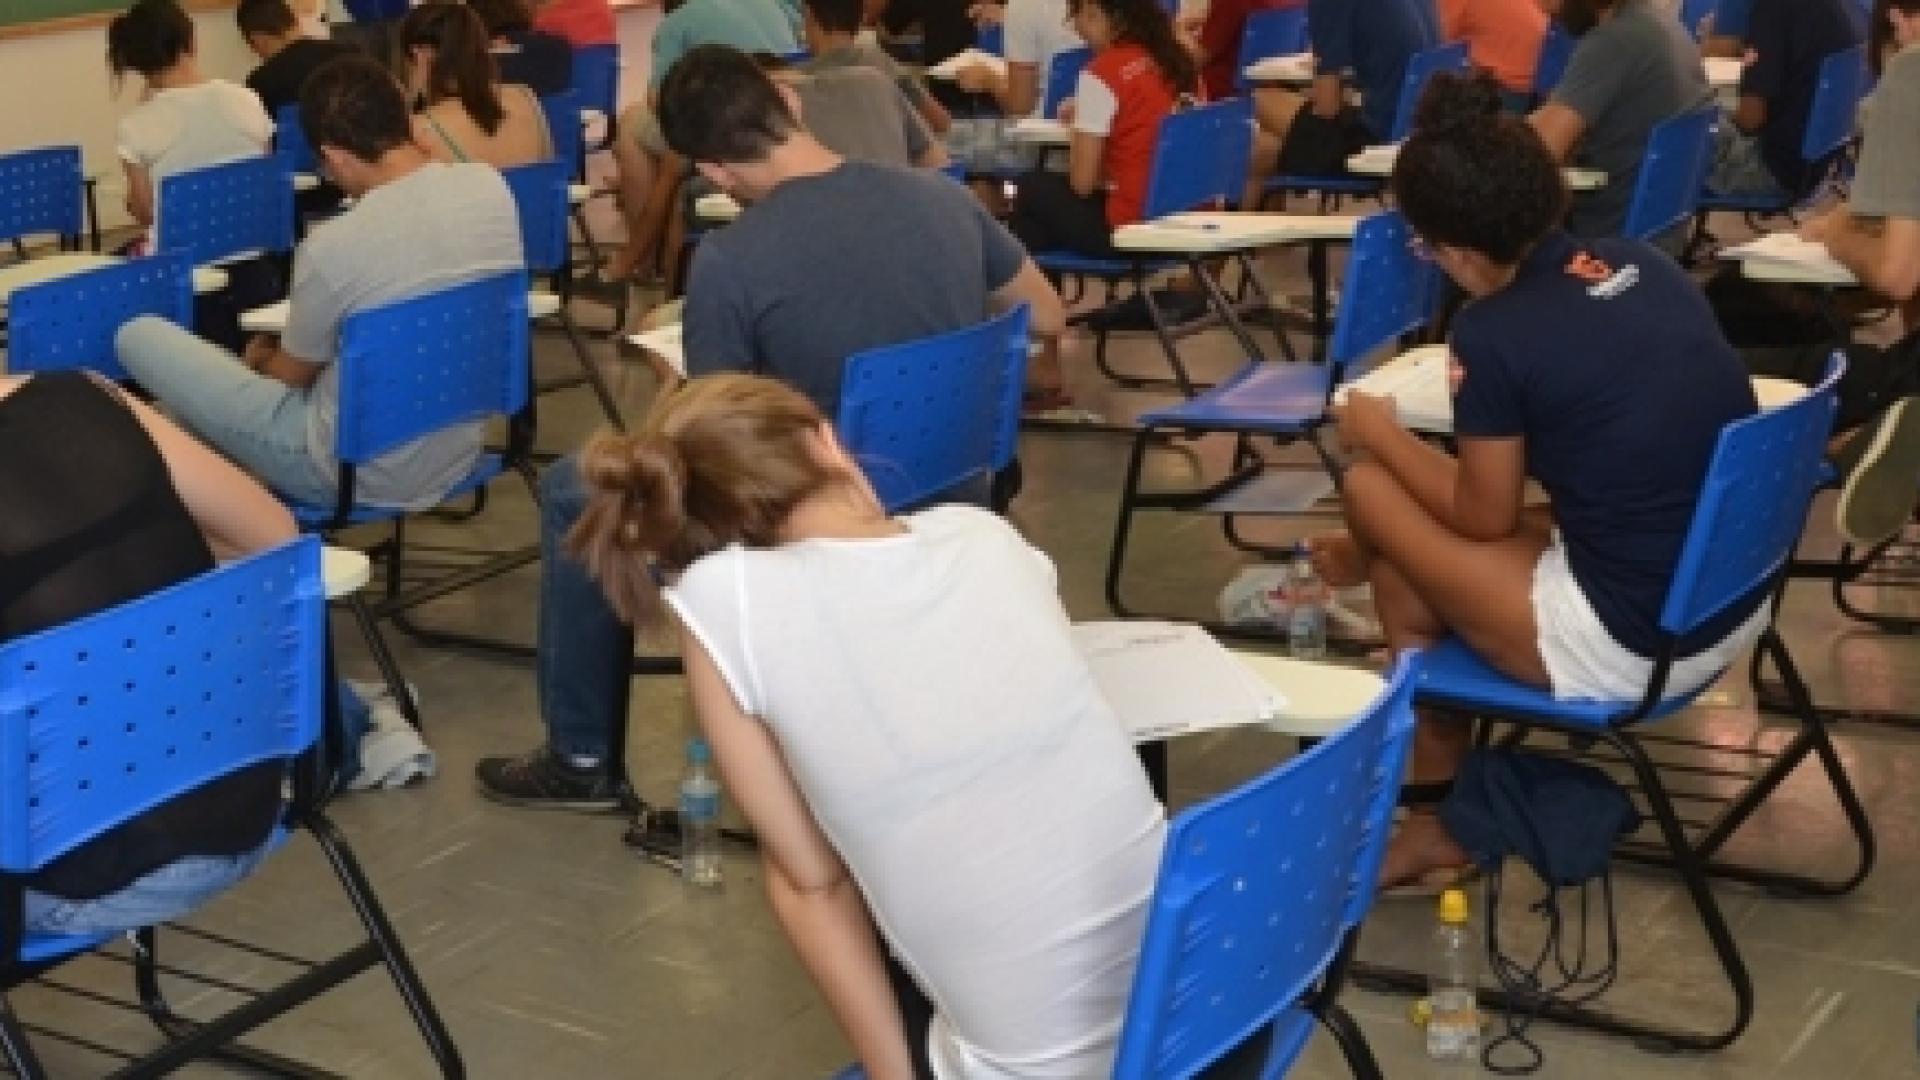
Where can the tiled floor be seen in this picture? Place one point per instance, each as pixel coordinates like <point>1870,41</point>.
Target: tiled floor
<point>555,953</point>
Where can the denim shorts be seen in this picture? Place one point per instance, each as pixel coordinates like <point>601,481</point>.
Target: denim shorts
<point>167,893</point>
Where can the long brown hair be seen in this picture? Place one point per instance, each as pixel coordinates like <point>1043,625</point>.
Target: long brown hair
<point>1146,24</point>
<point>723,460</point>
<point>463,64</point>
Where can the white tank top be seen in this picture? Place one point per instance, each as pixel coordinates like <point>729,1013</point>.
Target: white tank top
<point>952,744</point>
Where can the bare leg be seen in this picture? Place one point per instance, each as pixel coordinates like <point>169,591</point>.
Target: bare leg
<point>1275,110</point>
<point>636,170</point>
<point>1044,373</point>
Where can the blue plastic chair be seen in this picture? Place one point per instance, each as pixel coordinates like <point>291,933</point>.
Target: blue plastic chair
<point>1388,293</point>
<point>596,79</point>
<point>1421,67</point>
<point>221,212</point>
<point>1556,49</point>
<point>1692,12</point>
<point>69,323</point>
<point>564,127</point>
<point>991,40</point>
<point>1666,193</point>
<point>41,193</point>
<point>1280,32</point>
<point>115,714</point>
<point>1063,78</point>
<point>1830,128</point>
<point>928,416</point>
<point>290,144</point>
<point>540,196</point>
<point>1745,526</point>
<point>1258,904</point>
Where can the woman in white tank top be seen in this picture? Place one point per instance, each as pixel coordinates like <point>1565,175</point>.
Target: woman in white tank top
<point>898,709</point>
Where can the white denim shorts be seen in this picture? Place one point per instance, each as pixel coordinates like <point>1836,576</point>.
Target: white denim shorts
<point>1583,660</point>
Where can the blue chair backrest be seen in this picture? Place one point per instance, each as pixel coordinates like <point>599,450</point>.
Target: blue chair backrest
<point>40,192</point>
<point>1556,48</point>
<point>1693,11</point>
<point>991,39</point>
<point>1063,77</point>
<point>1836,103</point>
<point>596,77</point>
<point>540,196</point>
<point>290,142</point>
<point>374,11</point>
<point>1258,890</point>
<point>1667,191</point>
<point>563,127</point>
<point>1200,157</point>
<point>1281,32</point>
<point>1421,67</point>
<point>112,715</point>
<point>69,324</point>
<point>1753,505</point>
<point>426,363</point>
<point>220,211</point>
<point>927,416</point>
<point>1387,292</point>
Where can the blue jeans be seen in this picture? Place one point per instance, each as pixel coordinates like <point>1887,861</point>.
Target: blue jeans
<point>167,893</point>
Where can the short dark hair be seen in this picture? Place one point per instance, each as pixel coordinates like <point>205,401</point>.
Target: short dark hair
<point>1472,176</point>
<point>717,106</point>
<point>502,16</point>
<point>149,37</point>
<point>353,104</point>
<point>268,18</point>
<point>842,16</point>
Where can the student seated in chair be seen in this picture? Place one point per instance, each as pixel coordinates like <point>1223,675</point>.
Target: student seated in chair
<point>832,257</point>
<point>1032,33</point>
<point>1503,37</point>
<point>417,225</point>
<point>832,28</point>
<point>535,59</point>
<point>1757,145</point>
<point>1362,44</point>
<point>184,120</point>
<point>1632,67</point>
<point>906,723</point>
<point>287,54</point>
<point>466,113</point>
<point>106,502</point>
<point>1592,367</point>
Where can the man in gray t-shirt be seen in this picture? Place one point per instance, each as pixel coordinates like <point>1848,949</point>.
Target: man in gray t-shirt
<point>417,226</point>
<point>1633,66</point>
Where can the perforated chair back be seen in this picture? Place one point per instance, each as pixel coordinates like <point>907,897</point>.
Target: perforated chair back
<point>1388,291</point>
<point>925,417</point>
<point>1422,67</point>
<point>1667,191</point>
<point>1692,12</point>
<point>1836,104</point>
<point>1270,33</point>
<point>1752,506</point>
<point>596,78</point>
<point>563,127</point>
<point>222,211</point>
<point>69,323</point>
<point>290,144</point>
<point>112,715</point>
<point>1063,76</point>
<point>427,363</point>
<point>41,193</point>
<point>1258,890</point>
<point>1200,157</point>
<point>1556,48</point>
<point>375,11</point>
<point>991,39</point>
<point>540,196</point>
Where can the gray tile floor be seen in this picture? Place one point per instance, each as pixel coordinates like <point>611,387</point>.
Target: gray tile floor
<point>553,952</point>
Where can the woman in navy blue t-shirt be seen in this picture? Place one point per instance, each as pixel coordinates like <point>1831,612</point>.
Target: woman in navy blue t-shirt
<point>1594,368</point>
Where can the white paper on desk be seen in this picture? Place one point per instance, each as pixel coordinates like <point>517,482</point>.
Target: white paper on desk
<point>1382,155</point>
<point>950,68</point>
<point>1291,67</point>
<point>666,344</point>
<point>718,206</point>
<point>1168,679</point>
<point>1785,247</point>
<point>1039,129</point>
<point>1723,70</point>
<point>1417,382</point>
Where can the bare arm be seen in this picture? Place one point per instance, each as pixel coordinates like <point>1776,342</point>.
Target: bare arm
<point>1750,114</point>
<point>1883,253</point>
<point>1047,317</point>
<point>934,114</point>
<point>1559,127</point>
<point>1083,162</point>
<point>265,356</point>
<point>139,194</point>
<point>817,902</point>
<point>1477,495</point>
<point>1328,95</point>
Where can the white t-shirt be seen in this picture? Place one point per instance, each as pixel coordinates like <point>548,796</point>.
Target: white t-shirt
<point>951,742</point>
<point>189,127</point>
<point>1034,31</point>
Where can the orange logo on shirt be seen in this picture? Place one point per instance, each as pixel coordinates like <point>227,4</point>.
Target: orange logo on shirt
<point>1589,269</point>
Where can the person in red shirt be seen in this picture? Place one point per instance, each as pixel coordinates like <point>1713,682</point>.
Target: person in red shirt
<point>1219,40</point>
<point>1504,38</point>
<point>580,22</point>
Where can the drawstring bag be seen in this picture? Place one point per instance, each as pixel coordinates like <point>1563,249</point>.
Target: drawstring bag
<point>1562,818</point>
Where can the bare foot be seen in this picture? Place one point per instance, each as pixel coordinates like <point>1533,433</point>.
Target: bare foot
<point>1338,560</point>
<point>1421,846</point>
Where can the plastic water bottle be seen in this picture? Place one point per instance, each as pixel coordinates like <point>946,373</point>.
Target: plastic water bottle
<point>1306,608</point>
<point>700,818</point>
<point>1453,1022</point>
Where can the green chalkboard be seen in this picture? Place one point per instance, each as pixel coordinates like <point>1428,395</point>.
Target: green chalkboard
<point>28,16</point>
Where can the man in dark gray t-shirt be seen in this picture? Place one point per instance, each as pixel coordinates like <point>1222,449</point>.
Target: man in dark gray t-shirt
<point>1633,66</point>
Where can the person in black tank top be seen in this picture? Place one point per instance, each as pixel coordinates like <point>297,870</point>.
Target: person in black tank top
<point>98,491</point>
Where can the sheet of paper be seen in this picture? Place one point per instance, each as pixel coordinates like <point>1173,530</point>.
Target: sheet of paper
<point>1169,679</point>
<point>1417,382</point>
<point>665,343</point>
<point>1785,249</point>
<point>719,206</point>
<point>1293,67</point>
<point>950,68</point>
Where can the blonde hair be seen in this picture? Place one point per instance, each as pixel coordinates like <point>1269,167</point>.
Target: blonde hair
<point>722,460</point>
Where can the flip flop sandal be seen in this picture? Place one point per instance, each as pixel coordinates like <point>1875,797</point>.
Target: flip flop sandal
<point>1432,883</point>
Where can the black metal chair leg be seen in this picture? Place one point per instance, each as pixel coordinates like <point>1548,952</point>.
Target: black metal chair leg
<point>1123,527</point>
<point>20,1055</point>
<point>354,882</point>
<point>383,657</point>
<point>1352,1041</point>
<point>591,372</point>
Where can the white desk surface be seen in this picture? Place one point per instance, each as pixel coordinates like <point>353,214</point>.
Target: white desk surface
<point>305,181</point>
<point>578,194</point>
<point>1378,161</point>
<point>1040,131</point>
<point>46,268</point>
<point>1784,258</point>
<point>1320,698</point>
<point>718,207</point>
<point>1723,72</point>
<point>344,571</point>
<point>1293,68</point>
<point>1211,231</point>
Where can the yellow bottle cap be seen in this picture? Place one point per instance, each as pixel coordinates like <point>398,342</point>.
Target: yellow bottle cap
<point>1453,907</point>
